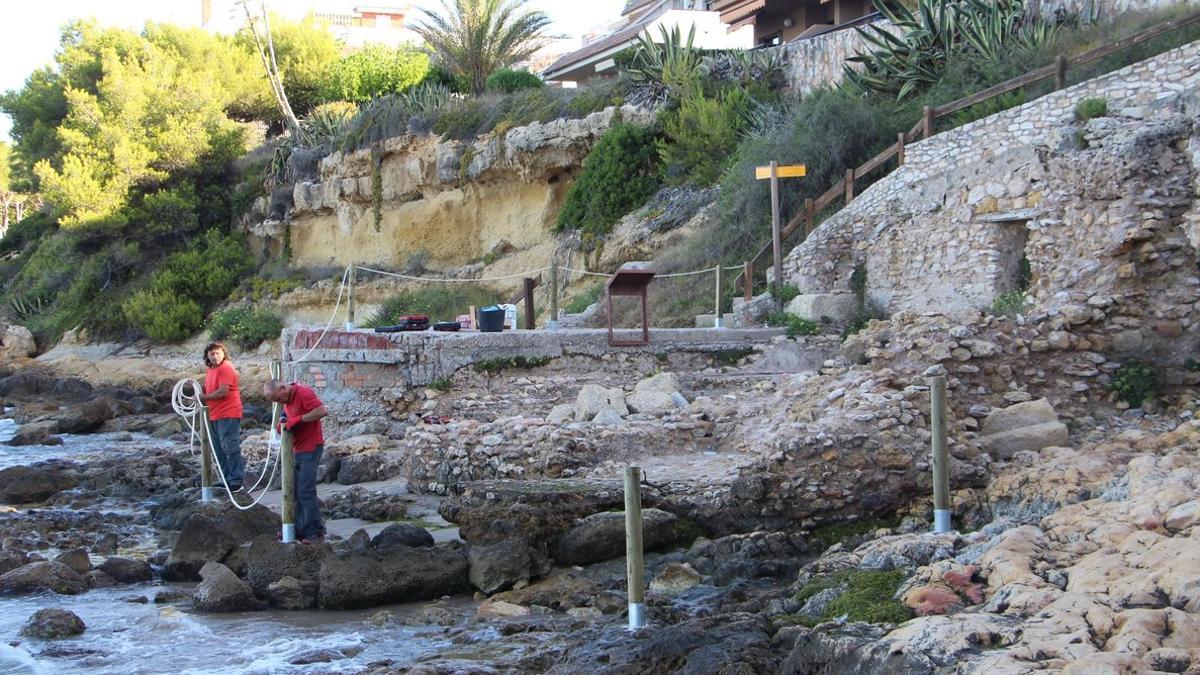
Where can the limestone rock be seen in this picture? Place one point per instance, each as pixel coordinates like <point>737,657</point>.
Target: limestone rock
<point>496,567</point>
<point>665,383</point>
<point>211,533</point>
<point>16,342</point>
<point>386,577</point>
<point>37,433</point>
<point>1031,425</point>
<point>561,413</point>
<point>675,579</point>
<point>292,594</point>
<point>593,398</point>
<point>222,591</point>
<point>651,402</point>
<point>53,624</point>
<point>608,416</point>
<point>268,561</point>
<point>361,468</point>
<point>601,536</point>
<point>44,575</point>
<point>27,484</point>
<point>837,307</point>
<point>402,534</point>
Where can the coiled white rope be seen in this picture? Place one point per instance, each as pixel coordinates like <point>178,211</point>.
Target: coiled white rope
<point>187,405</point>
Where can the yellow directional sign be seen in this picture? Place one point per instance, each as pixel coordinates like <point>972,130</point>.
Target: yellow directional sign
<point>785,171</point>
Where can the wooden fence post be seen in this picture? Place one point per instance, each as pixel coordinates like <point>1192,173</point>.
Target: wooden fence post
<point>718,321</point>
<point>1060,72</point>
<point>927,121</point>
<point>776,237</point>
<point>900,148</point>
<point>810,217</point>
<point>748,280</point>
<point>350,304</point>
<point>287,479</point>
<point>941,459</point>
<point>206,455</point>
<point>849,186</point>
<point>529,311</point>
<point>635,570</point>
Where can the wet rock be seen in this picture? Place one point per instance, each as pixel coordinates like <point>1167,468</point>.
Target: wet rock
<point>854,649</point>
<point>325,656</point>
<point>362,468</point>
<point>222,591</point>
<point>77,559</point>
<point>731,643</point>
<point>33,384</point>
<point>601,536</point>
<point>496,567</point>
<point>212,533</point>
<point>28,484</point>
<point>126,570</point>
<point>268,561</point>
<point>369,505</point>
<point>37,433</point>
<point>98,579</point>
<point>45,575</point>
<point>89,416</point>
<point>291,593</point>
<point>534,511</point>
<point>11,560</point>
<point>136,599</point>
<point>53,624</point>
<point>164,597</point>
<point>402,534</point>
<point>396,575</point>
<point>561,591</point>
<point>675,579</point>
<point>499,609</point>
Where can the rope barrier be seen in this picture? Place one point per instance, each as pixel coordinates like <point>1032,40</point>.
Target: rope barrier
<point>188,407</point>
<point>328,324</point>
<point>448,280</point>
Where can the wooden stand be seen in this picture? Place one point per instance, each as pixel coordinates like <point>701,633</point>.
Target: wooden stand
<point>631,283</point>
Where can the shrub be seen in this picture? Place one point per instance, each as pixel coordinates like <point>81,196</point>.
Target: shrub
<point>373,71</point>
<point>796,325</point>
<point>618,175</point>
<point>1008,304</point>
<point>585,299</point>
<point>442,384</point>
<point>785,292</point>
<point>1134,382</point>
<point>441,302</point>
<point>507,80</point>
<point>247,327</point>
<point>1091,108</point>
<point>169,211</point>
<point>701,136</point>
<point>163,315</point>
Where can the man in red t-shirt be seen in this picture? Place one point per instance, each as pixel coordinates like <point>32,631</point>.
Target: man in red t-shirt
<point>224,402</point>
<point>302,414</point>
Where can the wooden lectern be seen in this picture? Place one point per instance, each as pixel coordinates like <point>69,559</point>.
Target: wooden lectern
<point>629,283</point>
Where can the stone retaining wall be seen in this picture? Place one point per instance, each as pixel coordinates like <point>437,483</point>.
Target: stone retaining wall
<point>817,61</point>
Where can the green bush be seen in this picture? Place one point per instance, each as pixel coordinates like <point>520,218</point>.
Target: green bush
<point>507,81</point>
<point>169,211</point>
<point>373,71</point>
<point>785,292</point>
<point>441,302</point>
<point>796,325</point>
<point>701,135</point>
<point>1091,108</point>
<point>247,327</point>
<point>163,315</point>
<point>1134,382</point>
<point>618,175</point>
<point>585,299</point>
<point>1008,304</point>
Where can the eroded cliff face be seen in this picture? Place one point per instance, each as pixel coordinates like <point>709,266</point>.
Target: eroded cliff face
<point>455,201</point>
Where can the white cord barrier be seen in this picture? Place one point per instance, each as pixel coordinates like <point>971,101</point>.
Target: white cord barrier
<point>448,280</point>
<point>188,406</point>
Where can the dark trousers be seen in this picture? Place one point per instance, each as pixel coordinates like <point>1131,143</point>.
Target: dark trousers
<point>308,513</point>
<point>227,441</point>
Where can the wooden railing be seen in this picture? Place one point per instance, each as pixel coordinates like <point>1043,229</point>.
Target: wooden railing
<point>925,127</point>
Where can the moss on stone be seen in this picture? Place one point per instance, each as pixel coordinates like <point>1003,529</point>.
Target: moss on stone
<point>869,596</point>
<point>834,533</point>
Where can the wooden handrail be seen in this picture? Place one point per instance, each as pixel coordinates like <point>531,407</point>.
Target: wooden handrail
<point>1056,70</point>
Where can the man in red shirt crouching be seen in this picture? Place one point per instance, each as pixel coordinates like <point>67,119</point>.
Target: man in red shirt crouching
<point>302,416</point>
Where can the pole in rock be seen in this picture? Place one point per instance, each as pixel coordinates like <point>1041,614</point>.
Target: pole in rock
<point>287,471</point>
<point>719,320</point>
<point>941,460</point>
<point>552,322</point>
<point>635,568</point>
<point>206,491</point>
<point>776,237</point>
<point>350,299</point>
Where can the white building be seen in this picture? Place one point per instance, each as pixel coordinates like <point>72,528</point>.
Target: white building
<point>353,23</point>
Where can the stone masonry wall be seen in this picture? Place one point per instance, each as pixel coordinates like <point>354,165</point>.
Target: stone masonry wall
<point>1104,212</point>
<point>817,61</point>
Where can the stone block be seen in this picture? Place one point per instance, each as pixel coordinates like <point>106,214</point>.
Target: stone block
<point>838,307</point>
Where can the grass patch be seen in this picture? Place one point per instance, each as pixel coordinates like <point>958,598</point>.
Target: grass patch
<point>1091,108</point>
<point>493,366</point>
<point>585,299</point>
<point>441,384</point>
<point>868,597</point>
<point>731,357</point>
<point>1134,382</point>
<point>1008,304</point>
<point>834,533</point>
<point>796,325</point>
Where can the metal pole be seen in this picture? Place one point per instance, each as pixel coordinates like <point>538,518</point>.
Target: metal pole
<point>635,568</point>
<point>776,235</point>
<point>350,304</point>
<point>941,460</point>
<point>206,491</point>
<point>719,321</point>
<point>552,324</point>
<point>287,462</point>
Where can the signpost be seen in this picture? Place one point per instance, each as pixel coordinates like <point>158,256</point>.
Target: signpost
<point>774,172</point>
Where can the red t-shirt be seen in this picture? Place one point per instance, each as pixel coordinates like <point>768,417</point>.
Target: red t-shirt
<point>306,436</point>
<point>231,405</point>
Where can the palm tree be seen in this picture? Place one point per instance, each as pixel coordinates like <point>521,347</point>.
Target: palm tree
<point>475,38</point>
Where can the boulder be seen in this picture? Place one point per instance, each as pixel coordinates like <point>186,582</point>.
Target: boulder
<point>1031,425</point>
<point>98,579</point>
<point>11,560</point>
<point>593,398</point>
<point>837,307</point>
<point>209,535</point>
<point>387,577</point>
<point>44,575</point>
<point>16,342</point>
<point>372,506</point>
<point>534,511</point>
<point>291,593</point>
<point>268,561</point>
<point>28,484</point>
<point>89,416</point>
<point>37,433</point>
<point>53,624</point>
<point>663,383</point>
<point>497,567</point>
<point>561,413</point>
<point>77,559</point>
<point>222,591</point>
<point>41,385</point>
<point>675,579</point>
<point>601,536</point>
<point>653,402</point>
<point>402,534</point>
<point>362,468</point>
<point>126,570</point>
<point>608,416</point>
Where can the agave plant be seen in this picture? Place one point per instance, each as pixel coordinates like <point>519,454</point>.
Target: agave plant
<point>989,27</point>
<point>667,64</point>
<point>745,66</point>
<point>903,64</point>
<point>425,97</point>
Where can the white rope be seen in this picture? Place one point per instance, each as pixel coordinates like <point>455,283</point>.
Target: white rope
<point>707,270</point>
<point>685,274</point>
<point>447,280</point>
<point>328,324</point>
<point>188,407</point>
<point>593,274</point>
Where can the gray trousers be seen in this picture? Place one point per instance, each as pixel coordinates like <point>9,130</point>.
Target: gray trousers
<point>308,511</point>
<point>227,441</point>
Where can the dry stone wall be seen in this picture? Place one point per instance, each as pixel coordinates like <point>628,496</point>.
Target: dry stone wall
<point>817,61</point>
<point>1105,213</point>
